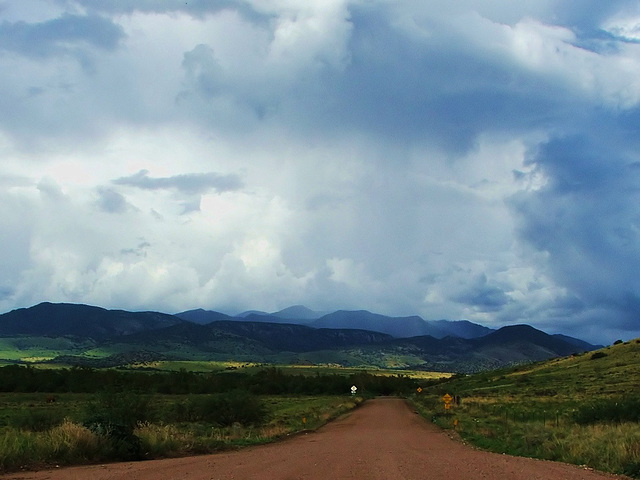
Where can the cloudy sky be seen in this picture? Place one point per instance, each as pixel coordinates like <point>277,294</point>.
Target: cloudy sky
<point>468,159</point>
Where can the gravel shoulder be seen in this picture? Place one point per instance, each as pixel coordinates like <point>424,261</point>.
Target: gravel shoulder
<point>383,439</point>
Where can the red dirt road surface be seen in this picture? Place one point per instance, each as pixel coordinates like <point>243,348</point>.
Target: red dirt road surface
<point>383,439</point>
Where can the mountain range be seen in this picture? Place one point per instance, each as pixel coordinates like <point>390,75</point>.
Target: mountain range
<point>100,337</point>
<point>399,327</point>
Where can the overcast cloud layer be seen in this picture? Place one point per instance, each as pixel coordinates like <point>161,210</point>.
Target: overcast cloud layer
<point>467,159</point>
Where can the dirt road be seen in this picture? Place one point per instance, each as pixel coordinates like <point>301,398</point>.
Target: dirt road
<point>383,439</point>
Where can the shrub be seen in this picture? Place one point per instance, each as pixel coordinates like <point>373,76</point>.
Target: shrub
<point>114,416</point>
<point>596,355</point>
<point>122,408</point>
<point>620,410</point>
<point>222,409</point>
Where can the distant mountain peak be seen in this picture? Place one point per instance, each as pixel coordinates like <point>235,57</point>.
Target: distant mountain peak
<point>298,312</point>
<point>250,312</point>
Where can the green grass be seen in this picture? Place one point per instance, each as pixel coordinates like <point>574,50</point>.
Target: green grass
<point>340,370</point>
<point>554,410</point>
<point>66,444</point>
<point>63,405</point>
<point>32,350</point>
<point>38,349</point>
<point>28,440</point>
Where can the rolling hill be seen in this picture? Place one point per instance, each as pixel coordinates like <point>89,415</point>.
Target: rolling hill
<point>83,321</point>
<point>350,338</point>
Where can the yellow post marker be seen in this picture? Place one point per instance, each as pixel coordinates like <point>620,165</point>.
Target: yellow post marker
<point>419,390</point>
<point>304,420</point>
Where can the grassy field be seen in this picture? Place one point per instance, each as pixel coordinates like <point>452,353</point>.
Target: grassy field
<point>37,349</point>
<point>36,432</point>
<point>581,409</point>
<point>338,370</point>
<point>248,367</point>
<point>170,408</point>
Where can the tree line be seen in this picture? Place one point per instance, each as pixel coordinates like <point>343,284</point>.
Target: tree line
<point>267,381</point>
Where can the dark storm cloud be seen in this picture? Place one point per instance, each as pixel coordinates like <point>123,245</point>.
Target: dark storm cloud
<point>60,35</point>
<point>190,183</point>
<point>585,218</point>
<point>398,87</point>
<point>480,294</point>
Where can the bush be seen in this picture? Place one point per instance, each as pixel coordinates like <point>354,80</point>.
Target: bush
<point>121,408</point>
<point>222,409</point>
<point>596,355</point>
<point>114,416</point>
<point>620,410</point>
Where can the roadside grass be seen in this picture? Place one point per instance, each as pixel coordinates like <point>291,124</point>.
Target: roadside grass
<point>95,430</point>
<point>65,444</point>
<point>542,429</point>
<point>582,409</point>
<point>285,416</point>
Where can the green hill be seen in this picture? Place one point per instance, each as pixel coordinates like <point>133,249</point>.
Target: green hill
<point>582,409</point>
<point>82,321</point>
<point>611,371</point>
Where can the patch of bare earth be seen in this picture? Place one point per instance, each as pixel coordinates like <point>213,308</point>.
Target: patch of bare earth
<point>383,439</point>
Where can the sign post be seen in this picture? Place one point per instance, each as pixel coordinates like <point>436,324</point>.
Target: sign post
<point>354,389</point>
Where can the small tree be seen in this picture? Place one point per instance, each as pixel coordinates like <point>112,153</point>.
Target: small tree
<point>115,415</point>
